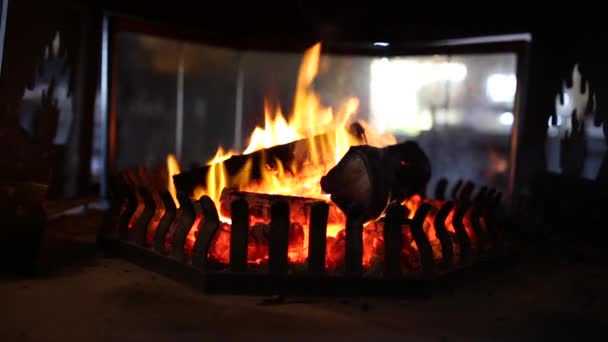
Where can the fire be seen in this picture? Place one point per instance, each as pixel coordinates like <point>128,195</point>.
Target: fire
<point>172,170</point>
<point>216,178</point>
<point>309,118</point>
<point>276,131</point>
<point>332,139</point>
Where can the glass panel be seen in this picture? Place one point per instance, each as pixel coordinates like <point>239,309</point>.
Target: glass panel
<point>146,102</point>
<point>210,77</point>
<point>147,105</point>
<point>272,77</point>
<point>458,107</point>
<point>268,77</point>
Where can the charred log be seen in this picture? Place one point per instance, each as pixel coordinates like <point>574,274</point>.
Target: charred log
<point>292,154</point>
<point>368,178</point>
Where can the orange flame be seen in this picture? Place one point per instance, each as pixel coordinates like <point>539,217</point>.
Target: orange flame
<point>172,170</point>
<point>276,131</point>
<point>309,118</point>
<point>216,178</point>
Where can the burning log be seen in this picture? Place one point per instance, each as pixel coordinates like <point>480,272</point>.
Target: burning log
<point>260,204</point>
<point>368,178</point>
<point>295,153</point>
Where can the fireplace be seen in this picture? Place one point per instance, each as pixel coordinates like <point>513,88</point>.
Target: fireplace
<point>387,172</point>
<point>459,99</point>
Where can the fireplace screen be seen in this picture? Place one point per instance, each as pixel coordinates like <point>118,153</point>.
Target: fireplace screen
<point>310,163</point>
<point>188,99</point>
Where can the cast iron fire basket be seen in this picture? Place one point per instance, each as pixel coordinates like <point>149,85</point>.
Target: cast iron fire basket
<point>152,232</point>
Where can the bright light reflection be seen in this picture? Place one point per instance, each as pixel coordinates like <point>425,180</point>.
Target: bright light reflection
<point>506,119</point>
<point>501,87</point>
<point>394,92</point>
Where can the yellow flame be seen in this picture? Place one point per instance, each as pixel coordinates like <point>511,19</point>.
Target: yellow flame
<point>309,118</point>
<point>276,131</point>
<point>220,156</point>
<point>216,177</point>
<point>308,115</point>
<point>243,177</point>
<point>172,170</point>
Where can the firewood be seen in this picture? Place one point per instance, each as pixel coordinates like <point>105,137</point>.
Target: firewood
<point>259,206</point>
<point>286,154</point>
<point>368,178</point>
<point>295,153</point>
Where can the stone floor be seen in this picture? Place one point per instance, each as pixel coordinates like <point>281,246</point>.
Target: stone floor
<point>82,296</point>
